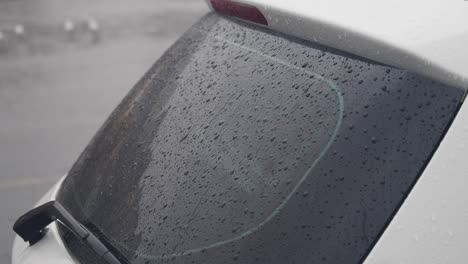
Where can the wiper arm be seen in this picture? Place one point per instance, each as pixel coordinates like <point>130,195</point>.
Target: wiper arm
<point>32,228</point>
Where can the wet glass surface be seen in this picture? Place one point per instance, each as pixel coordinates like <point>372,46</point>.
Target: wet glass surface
<point>242,146</point>
<point>64,66</point>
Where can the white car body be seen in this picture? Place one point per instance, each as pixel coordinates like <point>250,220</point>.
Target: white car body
<point>49,249</point>
<point>426,37</point>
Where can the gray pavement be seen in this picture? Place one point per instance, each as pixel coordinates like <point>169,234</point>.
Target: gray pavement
<point>57,87</point>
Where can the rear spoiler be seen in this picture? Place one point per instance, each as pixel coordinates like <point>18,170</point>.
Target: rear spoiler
<point>409,35</point>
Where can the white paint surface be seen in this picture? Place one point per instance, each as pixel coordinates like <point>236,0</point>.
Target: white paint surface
<point>432,225</point>
<point>50,249</point>
<point>429,37</point>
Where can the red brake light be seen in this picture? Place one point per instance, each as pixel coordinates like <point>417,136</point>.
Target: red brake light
<point>239,10</point>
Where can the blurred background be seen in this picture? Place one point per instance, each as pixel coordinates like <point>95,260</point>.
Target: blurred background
<point>64,66</point>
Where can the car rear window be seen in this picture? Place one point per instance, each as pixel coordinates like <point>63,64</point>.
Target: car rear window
<point>245,146</point>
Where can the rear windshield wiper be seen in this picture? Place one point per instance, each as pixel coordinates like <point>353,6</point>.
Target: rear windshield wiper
<point>32,227</point>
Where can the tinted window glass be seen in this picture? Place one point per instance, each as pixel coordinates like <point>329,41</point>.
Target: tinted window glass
<point>242,146</point>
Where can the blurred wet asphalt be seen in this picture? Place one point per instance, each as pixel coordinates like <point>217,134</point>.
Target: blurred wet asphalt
<point>64,66</point>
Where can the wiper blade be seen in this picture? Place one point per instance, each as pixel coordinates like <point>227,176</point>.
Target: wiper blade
<point>32,227</point>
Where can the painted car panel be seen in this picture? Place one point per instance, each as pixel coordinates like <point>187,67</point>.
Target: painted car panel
<point>426,37</point>
<point>50,249</point>
<point>431,226</point>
